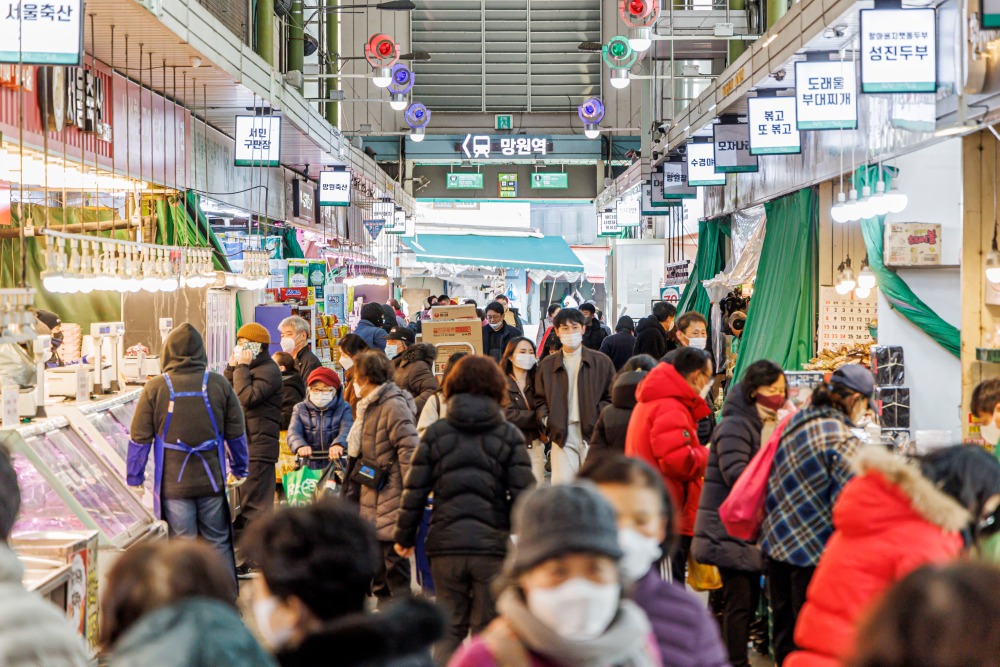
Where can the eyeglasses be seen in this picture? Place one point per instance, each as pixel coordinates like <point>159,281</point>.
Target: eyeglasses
<point>494,319</point>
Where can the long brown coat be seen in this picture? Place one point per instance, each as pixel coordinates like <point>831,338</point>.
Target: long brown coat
<point>552,391</point>
<point>388,436</point>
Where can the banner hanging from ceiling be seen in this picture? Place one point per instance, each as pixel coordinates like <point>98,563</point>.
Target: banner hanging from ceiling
<point>701,165</point>
<point>731,143</point>
<point>898,50</point>
<point>773,127</point>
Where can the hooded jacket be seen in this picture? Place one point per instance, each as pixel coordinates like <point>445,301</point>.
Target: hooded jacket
<point>400,636</point>
<point>415,373</point>
<point>258,386</point>
<point>552,392</point>
<point>475,463</point>
<point>183,358</point>
<point>320,428</point>
<point>734,442</point>
<point>33,632</point>
<point>612,426</point>
<point>594,334</point>
<point>375,336</point>
<point>495,342</point>
<point>888,521</point>
<point>619,347</point>
<point>663,432</point>
<point>388,438</point>
<point>196,632</point>
<point>293,392</point>
<point>650,338</point>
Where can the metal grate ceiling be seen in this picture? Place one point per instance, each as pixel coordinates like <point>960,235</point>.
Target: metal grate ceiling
<point>506,55</point>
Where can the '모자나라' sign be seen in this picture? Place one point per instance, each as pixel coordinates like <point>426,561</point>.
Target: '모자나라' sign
<point>732,148</point>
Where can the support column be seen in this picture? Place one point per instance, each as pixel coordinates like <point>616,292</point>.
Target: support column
<point>332,49</point>
<point>296,39</point>
<point>264,21</point>
<point>736,47</point>
<point>775,10</point>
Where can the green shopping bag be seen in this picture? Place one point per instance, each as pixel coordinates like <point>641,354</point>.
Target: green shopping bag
<point>300,486</point>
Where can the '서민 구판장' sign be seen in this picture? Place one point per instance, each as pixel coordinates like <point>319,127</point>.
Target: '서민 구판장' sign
<point>258,141</point>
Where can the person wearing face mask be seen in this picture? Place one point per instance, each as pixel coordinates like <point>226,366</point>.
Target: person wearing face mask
<point>54,324</point>
<point>436,406</point>
<point>561,599</point>
<point>474,463</point>
<point>294,332</point>
<point>370,326</point>
<point>663,432</point>
<point>320,423</point>
<point>651,335</point>
<point>572,386</point>
<point>685,632</point>
<point>986,407</point>
<point>612,426</point>
<point>414,365</point>
<point>496,332</point>
<point>893,517</point>
<point>810,468</point>
<point>518,366</point>
<point>692,330</point>
<point>350,347</point>
<point>293,388</point>
<point>510,315</point>
<point>316,563</point>
<point>620,346</point>
<point>749,417</point>
<point>593,333</point>
<point>546,325</point>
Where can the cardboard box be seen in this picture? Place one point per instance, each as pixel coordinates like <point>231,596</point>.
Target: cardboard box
<point>454,336</point>
<point>912,244</point>
<point>465,312</point>
<point>304,296</point>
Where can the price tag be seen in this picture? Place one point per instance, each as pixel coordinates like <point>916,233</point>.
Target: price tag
<point>29,230</point>
<point>10,416</point>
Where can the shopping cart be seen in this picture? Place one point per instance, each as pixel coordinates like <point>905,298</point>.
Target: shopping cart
<point>306,485</point>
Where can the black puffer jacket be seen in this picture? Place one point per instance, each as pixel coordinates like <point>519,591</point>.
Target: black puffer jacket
<point>619,347</point>
<point>734,442</point>
<point>293,392</point>
<point>476,464</point>
<point>650,338</point>
<point>520,411</point>
<point>259,389</point>
<point>593,335</point>
<point>415,373</point>
<point>612,425</point>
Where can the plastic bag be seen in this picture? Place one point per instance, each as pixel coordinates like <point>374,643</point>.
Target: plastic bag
<point>16,365</point>
<point>300,486</point>
<point>702,577</point>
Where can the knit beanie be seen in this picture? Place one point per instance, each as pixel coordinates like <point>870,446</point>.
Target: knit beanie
<point>325,375</point>
<point>553,521</point>
<point>255,333</point>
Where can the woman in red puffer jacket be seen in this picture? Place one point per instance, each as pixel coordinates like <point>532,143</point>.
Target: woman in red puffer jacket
<point>889,520</point>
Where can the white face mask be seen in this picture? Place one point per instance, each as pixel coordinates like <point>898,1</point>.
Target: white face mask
<point>698,342</point>
<point>238,350</point>
<point>640,553</point>
<point>263,610</point>
<point>572,341</point>
<point>287,344</point>
<point>358,388</point>
<point>706,390</point>
<point>577,609</point>
<point>391,351</point>
<point>320,399</point>
<point>346,362</point>
<point>495,327</point>
<point>525,361</point>
<point>990,432</point>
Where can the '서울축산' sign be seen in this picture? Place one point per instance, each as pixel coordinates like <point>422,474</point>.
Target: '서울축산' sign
<point>772,124</point>
<point>898,50</point>
<point>41,33</point>
<point>826,95</point>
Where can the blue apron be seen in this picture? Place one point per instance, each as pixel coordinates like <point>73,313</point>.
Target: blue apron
<point>160,444</point>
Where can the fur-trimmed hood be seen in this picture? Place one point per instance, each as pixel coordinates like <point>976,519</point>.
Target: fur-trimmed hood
<point>883,477</point>
<point>424,352</point>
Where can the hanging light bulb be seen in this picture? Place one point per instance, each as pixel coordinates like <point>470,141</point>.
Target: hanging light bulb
<point>619,78</point>
<point>862,292</point>
<point>640,39</point>
<point>865,209</point>
<point>398,101</point>
<point>382,77</point>
<point>842,289</point>
<point>839,211</point>
<point>878,200</point>
<point>847,276</point>
<point>866,279</point>
<point>895,201</point>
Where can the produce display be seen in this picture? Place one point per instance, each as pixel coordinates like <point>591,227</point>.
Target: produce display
<point>831,360</point>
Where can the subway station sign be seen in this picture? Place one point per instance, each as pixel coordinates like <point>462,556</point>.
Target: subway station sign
<point>898,50</point>
<point>41,33</point>
<point>826,95</point>
<point>488,147</point>
<point>731,142</point>
<point>459,181</point>
<point>701,165</point>
<point>508,186</point>
<point>550,181</point>
<point>773,127</point>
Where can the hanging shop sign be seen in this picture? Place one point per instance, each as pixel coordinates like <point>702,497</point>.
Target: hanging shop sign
<point>826,95</point>
<point>41,33</point>
<point>629,209</point>
<point>487,147</point>
<point>731,143</point>
<point>844,319</point>
<point>677,273</point>
<point>653,202</point>
<point>675,185</point>
<point>397,224</point>
<point>459,181</point>
<point>607,223</point>
<point>989,14</point>
<point>258,141</point>
<point>701,165</point>
<point>335,188</point>
<point>303,199</point>
<point>898,50</point>
<point>550,181</point>
<point>508,186</point>
<point>374,227</point>
<point>672,293</point>
<point>168,148</point>
<point>773,126</point>
<point>74,97</point>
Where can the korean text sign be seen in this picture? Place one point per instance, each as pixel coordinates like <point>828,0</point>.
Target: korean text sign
<point>772,124</point>
<point>826,95</point>
<point>701,165</point>
<point>607,223</point>
<point>41,33</point>
<point>335,188</point>
<point>629,209</point>
<point>898,51</point>
<point>258,141</point>
<point>675,185</point>
<point>731,142</point>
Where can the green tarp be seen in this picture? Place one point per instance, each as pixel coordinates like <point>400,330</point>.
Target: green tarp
<point>781,320</point>
<point>710,260</point>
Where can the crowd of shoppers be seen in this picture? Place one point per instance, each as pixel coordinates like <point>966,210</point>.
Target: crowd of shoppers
<point>559,493</point>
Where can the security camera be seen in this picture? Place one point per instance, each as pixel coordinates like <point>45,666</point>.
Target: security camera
<point>779,75</point>
<point>663,126</point>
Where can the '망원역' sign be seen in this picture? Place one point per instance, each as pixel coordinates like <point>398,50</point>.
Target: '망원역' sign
<point>258,141</point>
<point>772,124</point>
<point>484,146</point>
<point>826,95</point>
<point>675,185</point>
<point>732,148</point>
<point>41,33</point>
<point>701,165</point>
<point>335,188</point>
<point>898,50</point>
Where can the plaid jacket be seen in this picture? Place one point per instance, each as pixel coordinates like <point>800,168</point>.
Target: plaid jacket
<point>810,468</point>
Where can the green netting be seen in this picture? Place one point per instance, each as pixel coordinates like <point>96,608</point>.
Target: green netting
<point>781,320</point>
<point>291,243</point>
<point>710,260</point>
<point>194,225</point>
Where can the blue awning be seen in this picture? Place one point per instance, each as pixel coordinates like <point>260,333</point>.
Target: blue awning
<point>546,253</point>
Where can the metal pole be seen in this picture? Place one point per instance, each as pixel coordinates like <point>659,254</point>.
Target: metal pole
<point>296,39</point>
<point>331,58</point>
<point>264,19</point>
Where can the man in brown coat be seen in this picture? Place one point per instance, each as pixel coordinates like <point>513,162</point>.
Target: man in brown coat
<point>572,386</point>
